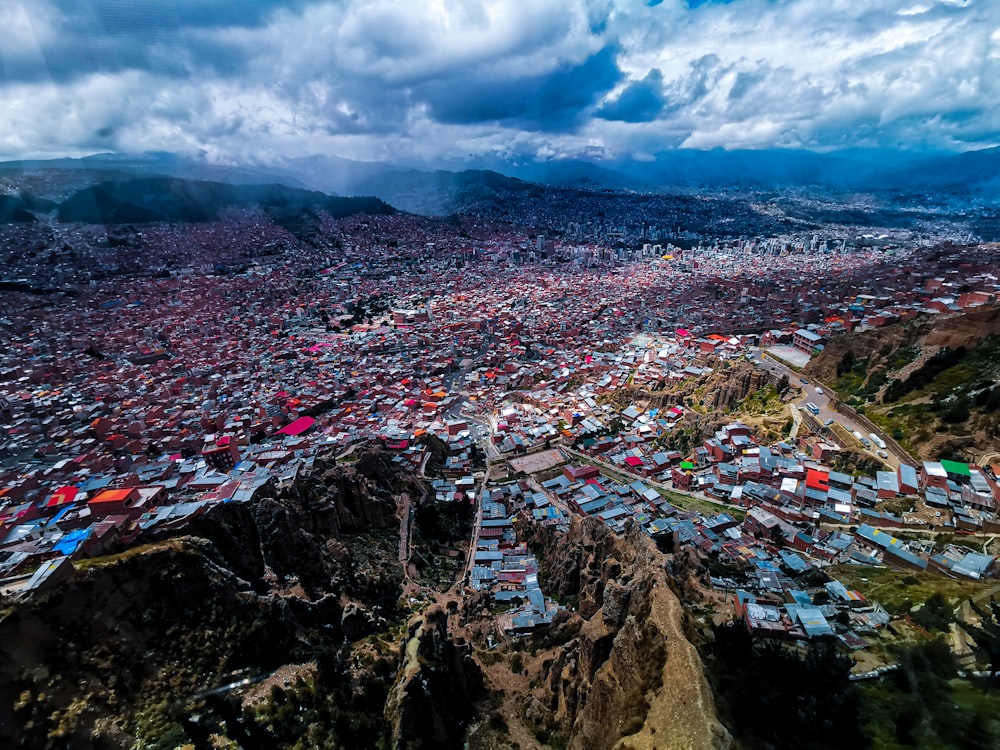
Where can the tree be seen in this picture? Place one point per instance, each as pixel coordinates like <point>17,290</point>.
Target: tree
<point>986,637</point>
<point>773,697</point>
<point>935,614</point>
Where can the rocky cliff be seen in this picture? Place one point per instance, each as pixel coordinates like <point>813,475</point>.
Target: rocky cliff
<point>629,677</point>
<point>878,346</point>
<point>305,583</point>
<point>288,621</point>
<point>431,703</point>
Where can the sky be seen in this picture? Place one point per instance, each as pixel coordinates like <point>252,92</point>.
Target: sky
<point>265,81</point>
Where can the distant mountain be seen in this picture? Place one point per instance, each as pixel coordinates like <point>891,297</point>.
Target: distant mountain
<point>444,187</point>
<point>853,169</point>
<point>574,174</point>
<point>439,193</point>
<point>18,209</point>
<point>972,170</point>
<point>153,199</point>
<point>114,167</point>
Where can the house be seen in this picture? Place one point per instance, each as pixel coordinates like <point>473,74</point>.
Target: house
<point>121,501</point>
<point>888,484</point>
<point>807,341</point>
<point>909,483</point>
<point>933,474</point>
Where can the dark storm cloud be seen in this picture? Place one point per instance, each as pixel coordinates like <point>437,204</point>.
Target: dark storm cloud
<point>273,79</point>
<point>640,101</point>
<point>117,18</point>
<point>75,38</point>
<point>550,101</point>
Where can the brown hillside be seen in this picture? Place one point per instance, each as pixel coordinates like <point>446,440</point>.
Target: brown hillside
<point>962,329</point>
<point>933,383</point>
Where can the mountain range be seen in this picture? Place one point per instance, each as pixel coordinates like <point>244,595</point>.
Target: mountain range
<point>85,188</point>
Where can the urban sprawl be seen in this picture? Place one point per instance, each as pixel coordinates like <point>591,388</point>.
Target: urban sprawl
<point>147,378</point>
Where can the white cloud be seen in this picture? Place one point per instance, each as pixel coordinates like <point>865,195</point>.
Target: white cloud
<point>375,78</point>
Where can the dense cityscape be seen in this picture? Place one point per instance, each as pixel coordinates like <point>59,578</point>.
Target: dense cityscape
<point>499,376</point>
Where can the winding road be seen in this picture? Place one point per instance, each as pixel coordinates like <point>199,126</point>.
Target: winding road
<point>829,409</point>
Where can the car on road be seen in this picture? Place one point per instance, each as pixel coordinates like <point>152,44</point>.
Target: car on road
<point>804,381</point>
<point>819,391</point>
<point>828,422</point>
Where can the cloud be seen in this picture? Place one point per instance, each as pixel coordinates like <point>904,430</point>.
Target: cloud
<point>550,101</point>
<point>446,79</point>
<point>640,101</point>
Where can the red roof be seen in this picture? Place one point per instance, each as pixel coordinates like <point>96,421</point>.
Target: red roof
<point>62,496</point>
<point>113,496</point>
<point>633,461</point>
<point>818,480</point>
<point>297,427</point>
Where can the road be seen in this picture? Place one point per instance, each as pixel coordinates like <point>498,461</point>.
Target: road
<point>652,482</point>
<point>473,542</point>
<point>482,432</point>
<point>820,395</point>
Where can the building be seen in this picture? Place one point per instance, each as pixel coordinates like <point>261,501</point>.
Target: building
<point>807,341</point>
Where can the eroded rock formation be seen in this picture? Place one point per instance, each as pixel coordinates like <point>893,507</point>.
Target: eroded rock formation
<point>629,677</point>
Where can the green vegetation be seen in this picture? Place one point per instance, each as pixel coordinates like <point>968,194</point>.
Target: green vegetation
<point>955,390</point>
<point>177,545</point>
<point>770,696</point>
<point>924,706</point>
<point>765,400</point>
<point>689,502</point>
<point>945,360</point>
<point>899,590</point>
<point>900,358</point>
<point>854,462</point>
<point>316,714</point>
<point>857,383</point>
<point>936,614</point>
<point>986,636</point>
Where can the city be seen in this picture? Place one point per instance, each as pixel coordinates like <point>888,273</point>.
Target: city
<point>499,376</point>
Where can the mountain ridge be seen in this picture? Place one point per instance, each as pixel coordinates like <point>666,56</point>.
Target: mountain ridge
<point>858,169</point>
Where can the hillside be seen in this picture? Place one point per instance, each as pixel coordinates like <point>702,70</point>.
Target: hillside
<point>15,210</point>
<point>297,594</point>
<point>931,382</point>
<point>288,621</point>
<point>154,199</point>
<point>440,193</point>
<point>734,391</point>
<point>616,671</point>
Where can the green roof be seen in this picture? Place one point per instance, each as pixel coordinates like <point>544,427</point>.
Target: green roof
<point>954,467</point>
<point>687,465</point>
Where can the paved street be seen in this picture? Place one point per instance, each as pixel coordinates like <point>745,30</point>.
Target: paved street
<point>820,395</point>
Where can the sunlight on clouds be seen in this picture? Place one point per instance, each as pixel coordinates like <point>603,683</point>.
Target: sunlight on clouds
<point>432,79</point>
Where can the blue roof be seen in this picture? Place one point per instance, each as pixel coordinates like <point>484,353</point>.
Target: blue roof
<point>95,483</point>
<point>548,512</point>
<point>793,561</point>
<point>811,618</point>
<point>71,541</point>
<point>59,516</point>
<point>765,565</point>
<point>594,506</point>
<point>800,597</point>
